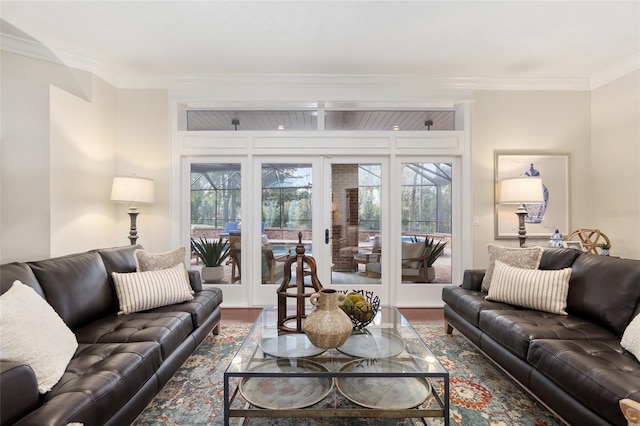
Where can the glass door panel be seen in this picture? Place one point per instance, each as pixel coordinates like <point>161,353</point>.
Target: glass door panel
<point>215,208</point>
<point>426,205</point>
<point>286,215</point>
<point>356,194</point>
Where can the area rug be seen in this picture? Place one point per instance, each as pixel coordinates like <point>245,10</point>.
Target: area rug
<point>480,393</point>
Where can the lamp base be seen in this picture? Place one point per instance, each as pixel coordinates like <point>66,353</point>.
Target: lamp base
<point>522,232</point>
<point>133,231</point>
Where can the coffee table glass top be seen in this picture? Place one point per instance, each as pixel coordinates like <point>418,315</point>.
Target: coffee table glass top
<point>384,366</point>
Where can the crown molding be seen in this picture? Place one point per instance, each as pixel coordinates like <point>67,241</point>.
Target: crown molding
<point>36,50</point>
<point>421,82</point>
<point>630,64</point>
<point>186,83</point>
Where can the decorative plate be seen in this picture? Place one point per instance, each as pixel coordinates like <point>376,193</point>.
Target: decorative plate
<point>289,346</point>
<point>378,343</point>
<point>279,393</point>
<point>389,393</point>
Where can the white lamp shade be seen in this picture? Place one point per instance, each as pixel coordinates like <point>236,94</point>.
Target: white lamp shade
<point>519,190</point>
<point>132,189</point>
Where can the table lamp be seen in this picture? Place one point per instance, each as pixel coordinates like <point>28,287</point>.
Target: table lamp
<point>521,190</point>
<point>132,189</point>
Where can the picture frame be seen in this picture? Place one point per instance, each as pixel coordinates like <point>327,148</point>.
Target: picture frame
<point>553,168</point>
<point>573,244</point>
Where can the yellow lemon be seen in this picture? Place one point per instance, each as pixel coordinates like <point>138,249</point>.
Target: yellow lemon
<point>362,311</point>
<point>355,297</point>
<point>347,306</point>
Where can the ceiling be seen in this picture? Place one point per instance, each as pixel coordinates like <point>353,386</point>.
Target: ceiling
<point>307,120</point>
<point>440,39</point>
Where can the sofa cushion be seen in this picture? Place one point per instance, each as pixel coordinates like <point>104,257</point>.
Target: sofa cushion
<point>558,258</point>
<point>515,329</point>
<point>11,272</point>
<point>169,329</point>
<point>146,261</point>
<point>119,259</point>
<point>530,288</point>
<point>604,289</point>
<point>77,286</point>
<point>99,380</point>
<point>598,373</point>
<point>528,258</point>
<point>200,308</point>
<point>35,335</point>
<point>141,291</point>
<point>469,303</point>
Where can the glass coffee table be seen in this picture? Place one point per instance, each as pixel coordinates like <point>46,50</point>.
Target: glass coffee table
<point>384,371</point>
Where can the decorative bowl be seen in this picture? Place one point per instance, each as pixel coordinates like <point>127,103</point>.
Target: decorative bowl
<point>372,300</point>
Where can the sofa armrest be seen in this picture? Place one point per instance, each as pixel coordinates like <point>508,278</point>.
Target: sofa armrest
<point>19,390</point>
<point>195,281</point>
<point>472,279</point>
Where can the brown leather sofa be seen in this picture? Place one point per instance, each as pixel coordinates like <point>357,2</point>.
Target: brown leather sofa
<point>574,363</point>
<point>122,361</point>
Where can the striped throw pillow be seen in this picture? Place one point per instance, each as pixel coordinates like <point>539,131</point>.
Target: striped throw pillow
<point>543,290</point>
<point>140,291</point>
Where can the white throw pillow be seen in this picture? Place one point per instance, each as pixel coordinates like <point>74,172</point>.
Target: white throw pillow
<point>631,337</point>
<point>32,333</point>
<point>527,258</point>
<point>543,290</point>
<point>140,291</point>
<point>146,261</point>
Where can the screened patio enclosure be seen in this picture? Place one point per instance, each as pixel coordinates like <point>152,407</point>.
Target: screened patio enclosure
<point>286,211</point>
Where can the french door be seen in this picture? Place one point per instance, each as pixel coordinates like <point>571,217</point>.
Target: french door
<point>287,206</point>
<point>360,217</point>
<point>332,207</point>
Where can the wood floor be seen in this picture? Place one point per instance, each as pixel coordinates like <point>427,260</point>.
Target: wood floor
<point>414,315</point>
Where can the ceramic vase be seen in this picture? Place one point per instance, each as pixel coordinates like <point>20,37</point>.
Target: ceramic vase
<point>535,212</point>
<point>327,326</point>
<point>556,240</point>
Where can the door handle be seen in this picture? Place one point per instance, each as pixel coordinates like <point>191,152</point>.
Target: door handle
<point>326,236</point>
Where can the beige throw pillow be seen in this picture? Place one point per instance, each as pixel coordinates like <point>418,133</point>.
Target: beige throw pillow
<point>543,290</point>
<point>32,333</point>
<point>146,261</point>
<point>526,258</point>
<point>412,251</point>
<point>140,291</point>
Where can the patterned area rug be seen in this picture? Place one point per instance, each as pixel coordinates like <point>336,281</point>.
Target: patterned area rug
<point>481,394</point>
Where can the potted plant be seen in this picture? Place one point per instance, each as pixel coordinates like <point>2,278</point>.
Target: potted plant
<point>604,248</point>
<point>212,253</point>
<point>434,251</point>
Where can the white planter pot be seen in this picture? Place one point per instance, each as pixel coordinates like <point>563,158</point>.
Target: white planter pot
<point>431,274</point>
<point>212,273</point>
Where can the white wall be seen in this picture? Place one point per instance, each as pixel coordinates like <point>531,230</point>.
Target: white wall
<point>83,159</point>
<point>544,121</point>
<point>25,221</point>
<point>52,140</point>
<point>614,196</point>
<point>65,134</point>
<point>143,149</point>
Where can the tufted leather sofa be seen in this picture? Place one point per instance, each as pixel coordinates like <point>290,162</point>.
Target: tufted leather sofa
<point>122,361</point>
<point>574,363</point>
